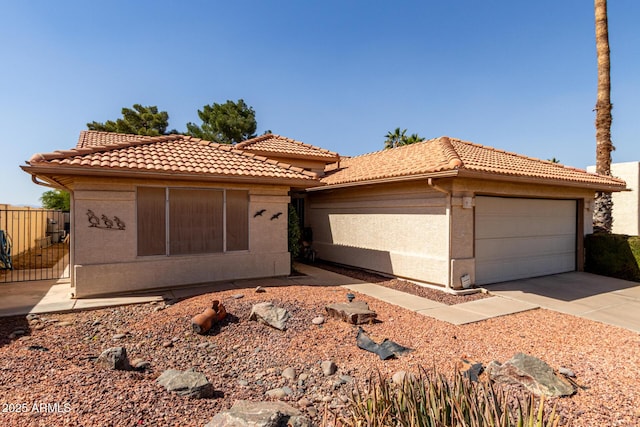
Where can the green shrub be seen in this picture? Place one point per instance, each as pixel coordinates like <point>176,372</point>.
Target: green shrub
<point>613,255</point>
<point>430,400</point>
<point>295,234</point>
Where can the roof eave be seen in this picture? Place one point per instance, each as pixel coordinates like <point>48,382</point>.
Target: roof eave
<point>44,171</point>
<point>405,178</point>
<point>320,158</point>
<point>465,173</point>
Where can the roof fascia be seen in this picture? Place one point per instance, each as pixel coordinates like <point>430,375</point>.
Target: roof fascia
<point>280,154</point>
<point>465,173</point>
<point>44,172</point>
<point>443,174</point>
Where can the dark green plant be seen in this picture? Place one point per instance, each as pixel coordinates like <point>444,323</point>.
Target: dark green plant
<point>431,400</point>
<point>140,120</point>
<point>295,233</point>
<point>228,123</point>
<point>56,199</point>
<point>613,255</point>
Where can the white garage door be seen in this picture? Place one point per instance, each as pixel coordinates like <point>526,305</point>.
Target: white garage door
<point>519,238</point>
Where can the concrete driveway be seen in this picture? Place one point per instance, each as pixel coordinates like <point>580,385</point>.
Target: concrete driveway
<point>603,299</point>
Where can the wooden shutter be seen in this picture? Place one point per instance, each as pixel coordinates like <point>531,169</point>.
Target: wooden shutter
<point>237,220</point>
<point>151,221</point>
<point>195,221</point>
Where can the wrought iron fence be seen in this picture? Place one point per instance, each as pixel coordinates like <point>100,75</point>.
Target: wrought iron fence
<point>34,244</point>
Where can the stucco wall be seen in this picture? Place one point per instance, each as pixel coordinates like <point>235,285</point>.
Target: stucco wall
<point>395,229</point>
<point>626,204</point>
<point>105,260</point>
<point>415,231</point>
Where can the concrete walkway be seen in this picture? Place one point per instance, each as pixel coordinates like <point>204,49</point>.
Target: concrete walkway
<point>599,298</point>
<point>458,314</point>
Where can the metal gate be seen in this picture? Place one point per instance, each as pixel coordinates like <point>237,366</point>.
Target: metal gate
<point>34,244</point>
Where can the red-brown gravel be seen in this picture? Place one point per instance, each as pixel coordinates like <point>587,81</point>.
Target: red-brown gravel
<point>245,358</point>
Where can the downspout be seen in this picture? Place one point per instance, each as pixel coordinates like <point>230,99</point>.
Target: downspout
<point>448,207</point>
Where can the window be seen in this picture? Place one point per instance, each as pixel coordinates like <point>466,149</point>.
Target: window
<point>181,221</point>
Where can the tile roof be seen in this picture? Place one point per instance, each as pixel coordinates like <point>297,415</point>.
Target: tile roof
<point>90,138</point>
<point>271,144</point>
<point>177,154</point>
<point>447,154</point>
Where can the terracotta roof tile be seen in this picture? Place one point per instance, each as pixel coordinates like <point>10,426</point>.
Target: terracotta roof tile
<point>271,144</point>
<point>448,154</point>
<point>167,153</point>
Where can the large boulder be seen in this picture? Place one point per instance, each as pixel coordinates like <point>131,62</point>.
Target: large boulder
<point>532,373</point>
<point>244,413</point>
<point>189,383</point>
<point>269,314</point>
<point>354,312</point>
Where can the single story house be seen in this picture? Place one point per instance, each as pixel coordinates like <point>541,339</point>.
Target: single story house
<point>172,210</point>
<point>451,213</point>
<point>153,212</point>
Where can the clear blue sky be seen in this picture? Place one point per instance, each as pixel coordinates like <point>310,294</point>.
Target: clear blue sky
<point>516,75</point>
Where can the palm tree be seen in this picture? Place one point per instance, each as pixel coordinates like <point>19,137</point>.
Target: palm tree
<point>395,138</point>
<point>412,139</point>
<point>602,215</point>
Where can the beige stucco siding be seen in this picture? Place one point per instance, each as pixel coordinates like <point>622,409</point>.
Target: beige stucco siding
<point>396,229</point>
<point>420,232</point>
<point>106,260</point>
<point>626,204</point>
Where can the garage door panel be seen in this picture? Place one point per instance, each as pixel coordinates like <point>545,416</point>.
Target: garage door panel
<point>494,271</point>
<point>488,249</point>
<point>518,238</point>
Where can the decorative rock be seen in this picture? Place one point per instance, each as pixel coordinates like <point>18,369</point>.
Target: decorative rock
<point>532,373</point>
<point>268,314</point>
<point>96,322</point>
<point>16,333</point>
<point>276,393</point>
<point>237,296</point>
<point>114,358</point>
<point>243,383</point>
<point>244,413</point>
<point>304,402</point>
<point>398,377</point>
<point>65,323</point>
<point>346,379</point>
<point>32,316</point>
<point>167,344</point>
<point>288,390</point>
<point>140,364</point>
<point>189,383</point>
<point>328,368</point>
<point>317,320</point>
<point>289,373</point>
<point>118,336</point>
<point>260,290</point>
<point>37,348</point>
<point>356,312</point>
<point>567,372</point>
<point>470,369</point>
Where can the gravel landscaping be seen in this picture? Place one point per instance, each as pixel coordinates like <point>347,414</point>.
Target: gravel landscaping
<point>49,375</point>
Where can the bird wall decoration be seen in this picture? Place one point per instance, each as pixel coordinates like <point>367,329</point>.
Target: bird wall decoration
<point>259,213</point>
<point>276,216</point>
